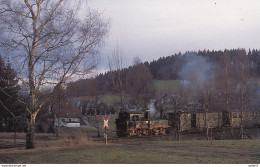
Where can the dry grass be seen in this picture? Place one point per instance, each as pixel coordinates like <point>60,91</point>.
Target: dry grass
<point>228,151</point>
<point>10,135</point>
<point>75,137</point>
<point>75,145</point>
<point>47,141</point>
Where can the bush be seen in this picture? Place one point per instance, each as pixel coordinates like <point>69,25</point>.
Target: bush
<point>40,129</point>
<point>51,129</point>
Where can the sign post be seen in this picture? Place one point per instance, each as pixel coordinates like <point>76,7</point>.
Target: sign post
<point>211,136</point>
<point>106,127</point>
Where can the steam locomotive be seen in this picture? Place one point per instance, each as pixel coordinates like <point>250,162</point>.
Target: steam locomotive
<point>139,124</point>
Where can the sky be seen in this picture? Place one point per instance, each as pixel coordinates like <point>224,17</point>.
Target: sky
<point>151,29</point>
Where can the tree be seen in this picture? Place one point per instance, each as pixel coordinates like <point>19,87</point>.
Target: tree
<point>179,103</point>
<point>11,112</point>
<point>140,85</point>
<point>95,91</point>
<point>242,68</point>
<point>57,101</point>
<point>117,73</point>
<point>9,107</point>
<point>52,43</point>
<point>219,96</point>
<point>204,94</point>
<point>227,85</point>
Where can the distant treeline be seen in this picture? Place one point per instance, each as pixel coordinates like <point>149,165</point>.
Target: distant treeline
<point>170,67</point>
<point>166,68</point>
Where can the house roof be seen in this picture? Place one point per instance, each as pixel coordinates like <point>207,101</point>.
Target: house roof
<point>85,103</point>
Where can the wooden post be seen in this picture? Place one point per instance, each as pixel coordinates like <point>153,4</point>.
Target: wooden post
<point>14,124</point>
<point>15,137</point>
<point>106,139</point>
<point>211,136</point>
<point>207,130</point>
<point>105,135</point>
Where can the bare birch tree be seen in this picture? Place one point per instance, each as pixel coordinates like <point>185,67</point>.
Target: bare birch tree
<point>51,43</point>
<point>116,64</point>
<point>179,102</point>
<point>205,95</point>
<point>242,65</point>
<point>228,91</point>
<point>225,85</point>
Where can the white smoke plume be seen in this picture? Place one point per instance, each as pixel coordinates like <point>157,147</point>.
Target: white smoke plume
<point>151,108</point>
<point>197,69</point>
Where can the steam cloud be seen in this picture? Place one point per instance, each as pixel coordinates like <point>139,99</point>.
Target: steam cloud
<point>196,69</point>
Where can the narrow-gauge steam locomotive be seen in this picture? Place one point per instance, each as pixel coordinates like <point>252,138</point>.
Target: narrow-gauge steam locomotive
<point>138,124</point>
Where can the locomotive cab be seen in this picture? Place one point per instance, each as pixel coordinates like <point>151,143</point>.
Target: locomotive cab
<point>135,116</point>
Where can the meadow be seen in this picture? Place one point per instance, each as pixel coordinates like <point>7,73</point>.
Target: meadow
<point>79,148</point>
<point>161,87</point>
<point>166,86</point>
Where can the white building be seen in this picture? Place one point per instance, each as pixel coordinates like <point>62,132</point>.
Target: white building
<point>69,116</point>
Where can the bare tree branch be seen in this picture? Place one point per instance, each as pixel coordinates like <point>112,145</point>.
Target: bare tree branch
<point>53,43</point>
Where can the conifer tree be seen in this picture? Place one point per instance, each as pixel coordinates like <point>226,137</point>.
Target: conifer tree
<point>10,109</point>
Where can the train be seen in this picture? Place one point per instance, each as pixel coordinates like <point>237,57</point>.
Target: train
<point>139,124</point>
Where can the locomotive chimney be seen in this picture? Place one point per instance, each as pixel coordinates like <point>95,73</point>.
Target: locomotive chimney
<point>148,114</point>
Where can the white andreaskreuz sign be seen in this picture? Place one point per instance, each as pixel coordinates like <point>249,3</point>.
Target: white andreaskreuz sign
<point>105,123</point>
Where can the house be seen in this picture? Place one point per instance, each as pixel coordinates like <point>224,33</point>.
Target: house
<point>69,116</point>
<point>88,108</point>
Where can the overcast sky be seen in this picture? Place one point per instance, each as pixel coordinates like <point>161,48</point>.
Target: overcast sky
<point>154,28</point>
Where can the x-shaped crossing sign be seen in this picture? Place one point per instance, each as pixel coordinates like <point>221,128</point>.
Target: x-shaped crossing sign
<point>105,123</point>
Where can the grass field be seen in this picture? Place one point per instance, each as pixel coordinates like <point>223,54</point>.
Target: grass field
<point>107,99</point>
<point>180,152</point>
<point>161,86</point>
<point>166,86</point>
